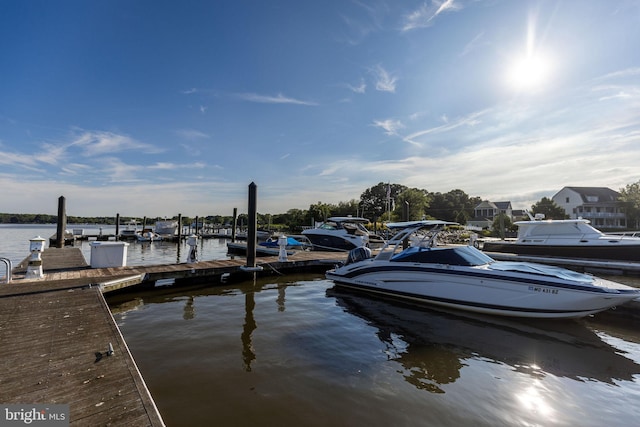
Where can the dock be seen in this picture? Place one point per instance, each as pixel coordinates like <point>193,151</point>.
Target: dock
<point>60,342</point>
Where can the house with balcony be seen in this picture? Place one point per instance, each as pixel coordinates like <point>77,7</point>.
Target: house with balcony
<point>486,212</point>
<point>597,204</point>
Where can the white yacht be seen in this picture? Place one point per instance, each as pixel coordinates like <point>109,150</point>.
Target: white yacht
<point>567,238</point>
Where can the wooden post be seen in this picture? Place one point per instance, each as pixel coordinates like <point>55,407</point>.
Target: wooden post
<point>196,227</point>
<point>234,224</point>
<point>117,226</point>
<point>62,222</point>
<point>179,228</point>
<point>252,225</point>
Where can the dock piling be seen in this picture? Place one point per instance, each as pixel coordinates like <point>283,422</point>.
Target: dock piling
<point>62,222</point>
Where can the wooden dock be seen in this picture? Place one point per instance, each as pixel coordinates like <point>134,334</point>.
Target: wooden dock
<point>56,349</point>
<point>57,332</point>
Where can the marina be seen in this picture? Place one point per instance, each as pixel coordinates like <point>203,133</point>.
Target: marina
<point>295,349</point>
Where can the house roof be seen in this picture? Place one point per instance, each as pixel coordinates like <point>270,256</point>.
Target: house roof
<point>503,205</point>
<point>603,194</point>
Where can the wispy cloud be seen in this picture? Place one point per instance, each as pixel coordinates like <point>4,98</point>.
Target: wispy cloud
<point>424,16</point>
<point>97,142</point>
<point>189,91</point>
<point>472,45</point>
<point>361,88</point>
<point>191,134</point>
<point>472,119</point>
<point>389,126</point>
<point>384,81</point>
<point>278,99</point>
<point>174,166</point>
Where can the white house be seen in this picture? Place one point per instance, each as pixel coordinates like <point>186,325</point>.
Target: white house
<point>597,204</point>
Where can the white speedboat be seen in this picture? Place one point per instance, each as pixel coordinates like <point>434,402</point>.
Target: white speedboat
<point>166,227</point>
<point>567,238</point>
<point>412,266</point>
<point>339,233</point>
<point>147,235</point>
<point>131,230</point>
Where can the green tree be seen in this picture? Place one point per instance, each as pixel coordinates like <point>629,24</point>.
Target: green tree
<point>549,208</point>
<point>418,201</point>
<point>630,200</point>
<point>319,212</point>
<point>352,207</point>
<point>456,206</point>
<point>502,224</point>
<point>375,201</point>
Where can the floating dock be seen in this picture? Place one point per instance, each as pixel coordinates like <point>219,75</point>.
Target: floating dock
<point>61,345</point>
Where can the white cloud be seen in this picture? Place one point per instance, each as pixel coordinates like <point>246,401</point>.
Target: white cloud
<point>384,81</point>
<point>191,134</point>
<point>424,16</point>
<point>389,126</point>
<point>278,99</point>
<point>361,88</point>
<point>95,143</point>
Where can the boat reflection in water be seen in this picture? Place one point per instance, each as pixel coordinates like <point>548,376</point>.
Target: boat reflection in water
<point>434,345</point>
<point>299,351</point>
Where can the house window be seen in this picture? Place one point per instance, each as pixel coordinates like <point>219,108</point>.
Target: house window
<point>566,200</point>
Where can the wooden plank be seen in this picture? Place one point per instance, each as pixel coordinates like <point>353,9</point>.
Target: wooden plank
<point>53,350</point>
<point>56,259</point>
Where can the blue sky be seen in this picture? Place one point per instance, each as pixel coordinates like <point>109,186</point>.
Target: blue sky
<point>163,107</point>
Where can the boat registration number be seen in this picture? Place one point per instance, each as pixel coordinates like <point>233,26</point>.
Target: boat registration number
<point>543,290</point>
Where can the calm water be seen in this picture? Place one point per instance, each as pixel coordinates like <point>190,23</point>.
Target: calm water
<point>14,245</point>
<point>294,350</point>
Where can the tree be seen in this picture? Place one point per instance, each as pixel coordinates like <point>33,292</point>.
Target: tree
<point>319,212</point>
<point>549,208</point>
<point>501,224</point>
<point>456,206</point>
<point>630,200</point>
<point>352,207</point>
<point>418,201</point>
<point>374,201</point>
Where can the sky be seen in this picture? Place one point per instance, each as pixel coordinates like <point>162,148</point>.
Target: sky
<point>154,108</point>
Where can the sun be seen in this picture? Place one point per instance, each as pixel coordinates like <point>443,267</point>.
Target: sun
<point>529,72</point>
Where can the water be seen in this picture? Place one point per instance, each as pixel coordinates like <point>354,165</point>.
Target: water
<point>295,350</point>
<point>14,245</point>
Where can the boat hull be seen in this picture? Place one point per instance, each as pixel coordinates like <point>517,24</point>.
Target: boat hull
<point>612,252</point>
<point>327,242</point>
<point>480,291</point>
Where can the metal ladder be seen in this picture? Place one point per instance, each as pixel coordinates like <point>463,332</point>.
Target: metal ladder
<point>7,277</point>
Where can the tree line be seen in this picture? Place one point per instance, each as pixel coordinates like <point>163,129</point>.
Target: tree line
<point>380,203</point>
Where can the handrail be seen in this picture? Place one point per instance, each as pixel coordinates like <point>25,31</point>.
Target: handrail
<point>7,263</point>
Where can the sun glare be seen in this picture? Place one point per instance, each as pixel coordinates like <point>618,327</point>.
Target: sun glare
<point>528,73</point>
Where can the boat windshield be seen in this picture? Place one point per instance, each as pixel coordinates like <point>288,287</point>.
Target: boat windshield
<point>460,255</point>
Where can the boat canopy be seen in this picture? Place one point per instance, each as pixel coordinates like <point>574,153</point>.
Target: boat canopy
<point>459,255</point>
<point>547,270</point>
<point>422,223</point>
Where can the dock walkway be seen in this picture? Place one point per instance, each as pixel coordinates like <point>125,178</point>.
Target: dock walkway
<point>57,333</point>
<point>56,350</point>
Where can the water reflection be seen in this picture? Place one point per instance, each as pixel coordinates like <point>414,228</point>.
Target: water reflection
<point>433,346</point>
<point>248,354</point>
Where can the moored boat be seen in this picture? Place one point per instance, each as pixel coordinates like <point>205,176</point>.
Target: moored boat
<point>412,266</point>
<point>166,227</point>
<point>341,233</point>
<point>567,238</point>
